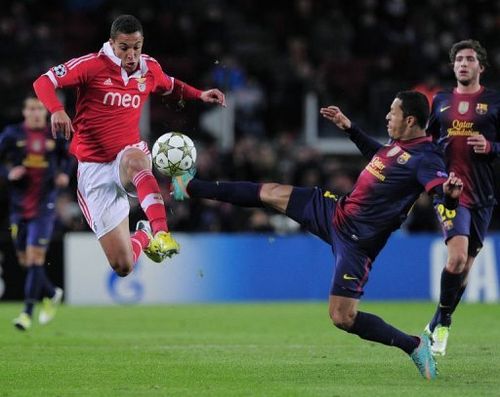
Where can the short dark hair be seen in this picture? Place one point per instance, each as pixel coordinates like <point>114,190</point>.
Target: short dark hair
<point>125,24</point>
<point>414,103</point>
<point>482,55</point>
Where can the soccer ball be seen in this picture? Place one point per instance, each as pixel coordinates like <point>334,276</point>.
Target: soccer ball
<point>173,154</point>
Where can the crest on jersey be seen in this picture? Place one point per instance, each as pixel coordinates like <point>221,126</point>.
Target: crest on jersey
<point>141,84</point>
<point>36,145</point>
<point>60,70</point>
<point>395,150</point>
<point>482,108</point>
<point>403,158</point>
<point>463,107</point>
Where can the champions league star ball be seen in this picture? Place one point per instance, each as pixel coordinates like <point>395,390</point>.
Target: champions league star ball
<point>173,154</point>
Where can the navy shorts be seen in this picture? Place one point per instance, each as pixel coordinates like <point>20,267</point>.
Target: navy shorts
<point>314,209</point>
<point>465,222</point>
<point>36,231</point>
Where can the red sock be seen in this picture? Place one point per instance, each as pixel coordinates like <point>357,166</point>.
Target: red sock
<point>140,240</point>
<point>151,200</point>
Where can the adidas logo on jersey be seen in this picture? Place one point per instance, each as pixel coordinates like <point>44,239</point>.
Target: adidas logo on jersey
<point>108,82</point>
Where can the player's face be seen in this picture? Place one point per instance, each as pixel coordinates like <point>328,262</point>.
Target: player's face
<point>467,67</point>
<point>128,47</point>
<point>35,114</point>
<point>396,122</point>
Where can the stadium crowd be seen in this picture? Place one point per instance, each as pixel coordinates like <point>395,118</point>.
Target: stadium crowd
<point>355,54</point>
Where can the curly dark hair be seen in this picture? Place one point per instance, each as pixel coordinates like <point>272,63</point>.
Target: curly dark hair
<point>475,45</point>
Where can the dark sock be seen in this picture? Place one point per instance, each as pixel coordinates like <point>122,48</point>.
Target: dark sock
<point>48,289</point>
<point>244,194</point>
<point>450,288</point>
<point>459,297</point>
<point>370,327</point>
<point>32,287</point>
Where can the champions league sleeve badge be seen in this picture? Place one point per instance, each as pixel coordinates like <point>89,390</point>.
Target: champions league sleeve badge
<point>59,70</point>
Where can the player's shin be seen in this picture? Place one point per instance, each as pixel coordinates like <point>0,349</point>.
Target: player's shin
<point>370,327</point>
<point>243,194</point>
<point>32,287</point>
<point>151,200</point>
<point>451,284</point>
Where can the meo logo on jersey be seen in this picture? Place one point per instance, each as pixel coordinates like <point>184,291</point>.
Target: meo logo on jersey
<point>125,100</point>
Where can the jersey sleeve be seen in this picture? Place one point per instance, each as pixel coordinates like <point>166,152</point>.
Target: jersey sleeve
<point>431,171</point>
<point>163,84</point>
<point>73,73</point>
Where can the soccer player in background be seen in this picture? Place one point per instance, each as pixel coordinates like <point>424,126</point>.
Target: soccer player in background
<point>112,86</point>
<point>358,225</point>
<point>465,122</point>
<point>36,166</point>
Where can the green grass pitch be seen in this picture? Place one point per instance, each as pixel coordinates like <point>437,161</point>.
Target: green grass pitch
<point>278,349</point>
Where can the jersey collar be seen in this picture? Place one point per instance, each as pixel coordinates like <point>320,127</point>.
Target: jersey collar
<point>143,67</point>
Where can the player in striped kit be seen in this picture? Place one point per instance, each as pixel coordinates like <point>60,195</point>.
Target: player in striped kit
<point>465,122</point>
<point>36,166</point>
<point>112,86</point>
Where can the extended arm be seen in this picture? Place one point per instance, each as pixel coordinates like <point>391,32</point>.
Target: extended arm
<point>366,145</point>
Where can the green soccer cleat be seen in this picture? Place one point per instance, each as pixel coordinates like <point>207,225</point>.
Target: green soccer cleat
<point>423,358</point>
<point>179,185</point>
<point>161,246</point>
<point>49,307</point>
<point>440,340</point>
<point>22,322</point>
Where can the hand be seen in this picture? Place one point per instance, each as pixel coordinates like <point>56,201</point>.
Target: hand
<point>334,114</point>
<point>61,180</point>
<point>60,122</point>
<point>213,96</point>
<point>453,186</point>
<point>16,173</point>
<point>479,144</point>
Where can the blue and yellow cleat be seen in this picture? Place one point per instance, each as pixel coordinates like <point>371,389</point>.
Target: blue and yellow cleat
<point>423,358</point>
<point>161,246</point>
<point>22,322</point>
<point>179,185</point>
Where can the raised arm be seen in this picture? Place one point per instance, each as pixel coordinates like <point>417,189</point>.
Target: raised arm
<point>366,145</point>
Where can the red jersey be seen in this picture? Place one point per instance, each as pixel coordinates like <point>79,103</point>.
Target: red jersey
<point>109,101</point>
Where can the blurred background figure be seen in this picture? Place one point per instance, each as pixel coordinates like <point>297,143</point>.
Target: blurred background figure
<point>36,167</point>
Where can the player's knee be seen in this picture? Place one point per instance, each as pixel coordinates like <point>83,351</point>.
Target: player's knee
<point>122,266</point>
<point>134,162</point>
<point>456,262</point>
<point>122,270</point>
<point>342,319</point>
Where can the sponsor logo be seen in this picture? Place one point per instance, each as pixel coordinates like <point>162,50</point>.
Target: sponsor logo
<point>125,100</point>
<point>108,82</point>
<point>444,108</point>
<point>349,277</point>
<point>376,167</point>
<point>60,70</point>
<point>482,108</point>
<point>463,107</point>
<point>462,128</point>
<point>441,174</point>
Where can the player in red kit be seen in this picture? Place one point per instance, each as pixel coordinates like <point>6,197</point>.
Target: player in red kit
<point>112,86</point>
